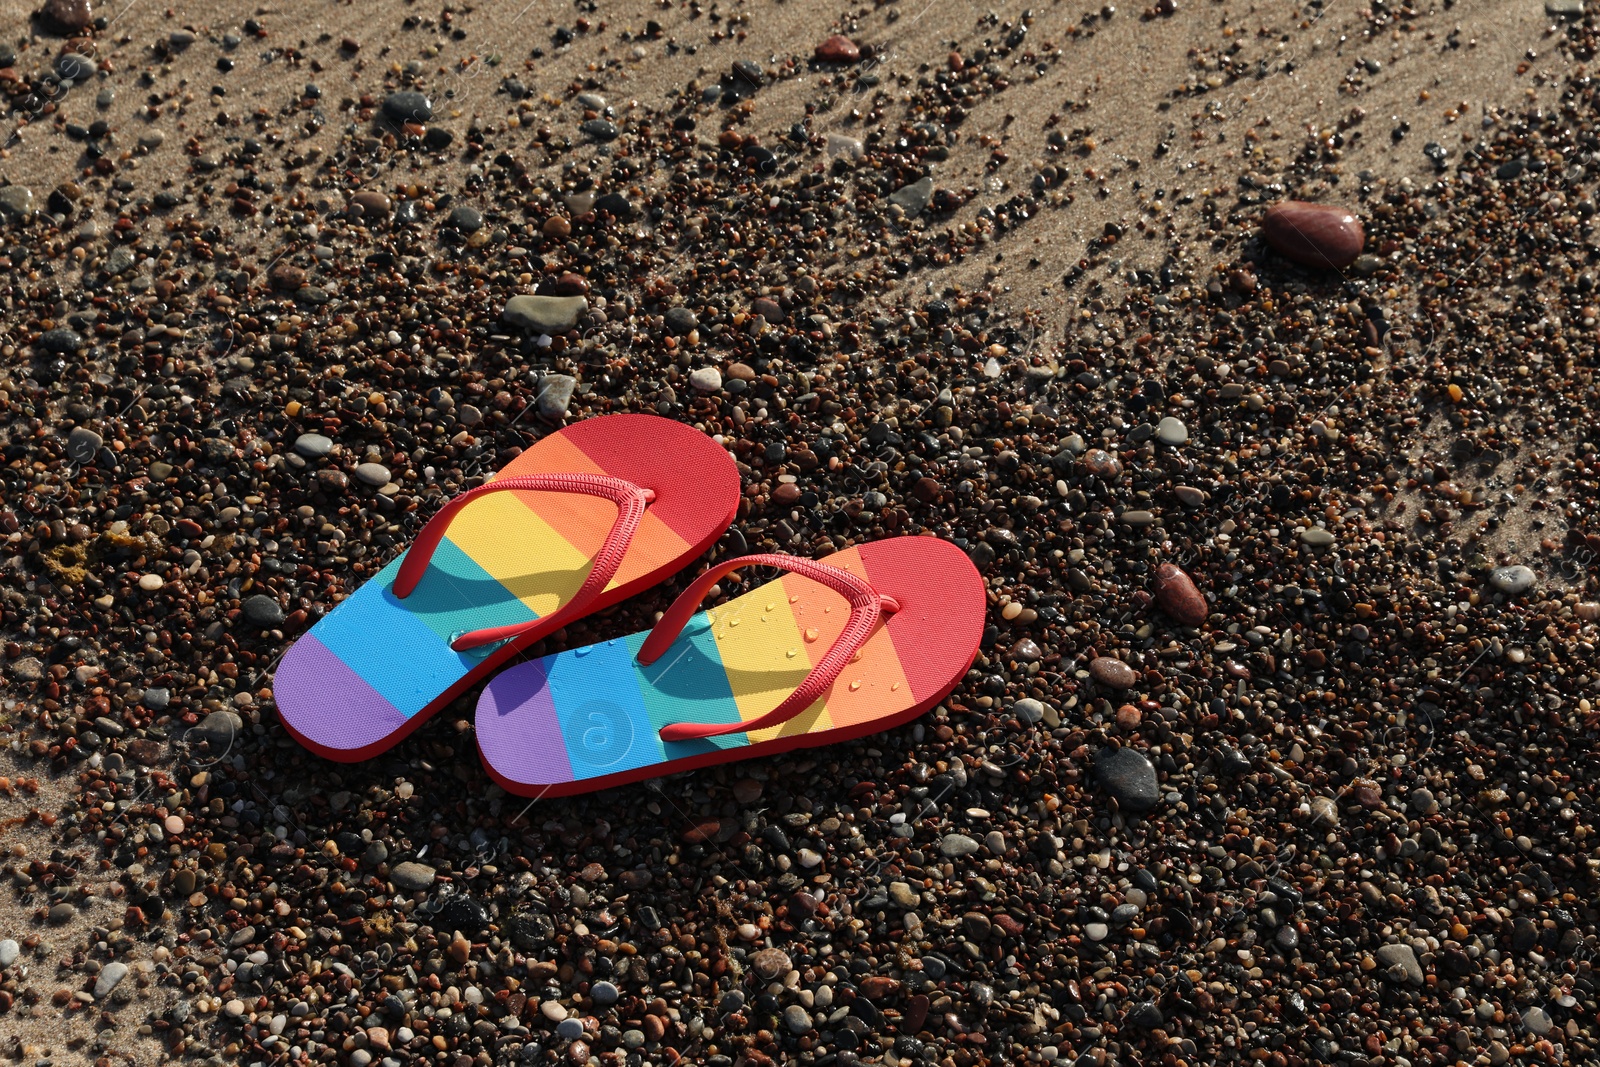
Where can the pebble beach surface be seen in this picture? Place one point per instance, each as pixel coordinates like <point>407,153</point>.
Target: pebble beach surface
<point>1248,351</point>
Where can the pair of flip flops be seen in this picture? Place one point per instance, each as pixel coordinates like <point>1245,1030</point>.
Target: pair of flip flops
<point>833,649</point>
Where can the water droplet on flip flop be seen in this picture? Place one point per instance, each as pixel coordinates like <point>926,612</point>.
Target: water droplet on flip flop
<point>792,653</point>
<point>855,685</point>
<point>812,634</point>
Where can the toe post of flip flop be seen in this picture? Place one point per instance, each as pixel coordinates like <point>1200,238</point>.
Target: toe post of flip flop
<point>833,649</point>
<point>587,516</point>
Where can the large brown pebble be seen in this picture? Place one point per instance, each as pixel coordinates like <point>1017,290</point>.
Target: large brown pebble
<point>1178,597</point>
<point>1314,235</point>
<point>1113,673</point>
<point>838,49</point>
<point>69,14</point>
<point>927,490</point>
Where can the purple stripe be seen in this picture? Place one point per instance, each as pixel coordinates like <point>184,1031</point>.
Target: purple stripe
<point>518,732</point>
<point>327,703</point>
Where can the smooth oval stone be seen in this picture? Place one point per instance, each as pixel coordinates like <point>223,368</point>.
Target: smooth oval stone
<point>1314,235</point>
<point>1512,580</point>
<point>1171,431</point>
<point>408,106</point>
<point>1129,777</point>
<point>599,129</point>
<point>705,380</point>
<point>1112,672</point>
<point>375,474</point>
<point>1317,537</point>
<point>1028,710</point>
<point>1178,596</point>
<point>313,445</point>
<point>546,314</point>
<point>83,444</point>
<point>71,65</point>
<point>71,15</point>
<point>466,219</point>
<point>373,204</point>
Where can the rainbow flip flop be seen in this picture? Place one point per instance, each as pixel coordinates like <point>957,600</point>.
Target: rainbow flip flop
<point>587,516</point>
<point>854,644</point>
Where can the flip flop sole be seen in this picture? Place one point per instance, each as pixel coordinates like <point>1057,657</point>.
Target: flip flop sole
<point>589,718</point>
<point>377,667</point>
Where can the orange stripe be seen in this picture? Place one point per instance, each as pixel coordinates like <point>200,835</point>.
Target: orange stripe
<point>872,686</point>
<point>583,520</point>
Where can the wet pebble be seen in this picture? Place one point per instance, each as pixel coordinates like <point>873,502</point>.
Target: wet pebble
<point>262,612</point>
<point>1129,777</point>
<point>1113,673</point>
<point>1314,235</point>
<point>407,106</point>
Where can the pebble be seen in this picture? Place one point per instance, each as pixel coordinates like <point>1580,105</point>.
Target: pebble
<point>1314,235</point>
<point>706,380</point>
<point>545,314</point>
<point>313,445</point>
<point>262,612</point>
<point>150,583</point>
<point>74,67</point>
<point>372,204</point>
<point>1514,580</point>
<point>680,320</point>
<point>1405,958</point>
<point>61,340</point>
<point>83,445</point>
<point>109,977</point>
<point>72,15</point>
<point>913,199</point>
<point>954,846</point>
<point>838,49</point>
<point>903,895</point>
<point>1172,431</point>
<point>1129,777</point>
<point>407,106</point>
<point>16,203</point>
<point>9,951</point>
<point>601,130</point>
<point>466,219</point>
<point>796,1020</point>
<point>219,729</point>
<point>1113,673</point>
<point>555,394</point>
<point>374,474</point>
<point>1569,9</point>
<point>604,993</point>
<point>412,877</point>
<point>1178,596</point>
<point>1028,710</point>
<point>770,963</point>
<point>1317,537</point>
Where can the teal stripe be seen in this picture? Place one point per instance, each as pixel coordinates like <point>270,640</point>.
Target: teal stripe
<point>456,595</point>
<point>391,648</point>
<point>688,684</point>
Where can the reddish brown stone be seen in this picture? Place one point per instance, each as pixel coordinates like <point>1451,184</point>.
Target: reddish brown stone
<point>74,15</point>
<point>1113,673</point>
<point>767,308</point>
<point>568,284</point>
<point>878,987</point>
<point>786,493</point>
<point>838,49</point>
<point>927,490</point>
<point>1178,596</point>
<point>1314,235</point>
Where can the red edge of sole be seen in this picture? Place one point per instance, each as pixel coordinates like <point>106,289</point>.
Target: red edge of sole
<point>733,755</point>
<point>500,656</point>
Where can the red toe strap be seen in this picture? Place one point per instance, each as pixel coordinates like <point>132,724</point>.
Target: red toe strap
<point>629,498</point>
<point>866,609</point>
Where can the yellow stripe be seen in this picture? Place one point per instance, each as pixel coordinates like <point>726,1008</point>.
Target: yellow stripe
<point>521,551</point>
<point>764,655</point>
